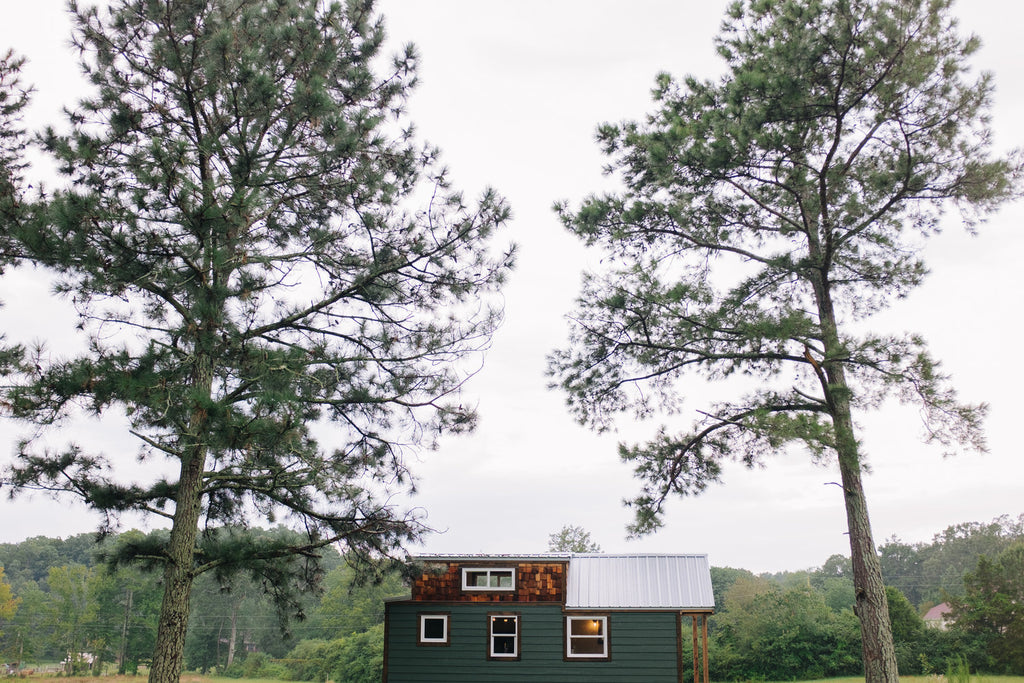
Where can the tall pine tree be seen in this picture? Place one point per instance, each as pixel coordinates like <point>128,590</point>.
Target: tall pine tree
<point>281,290</point>
<point>763,217</point>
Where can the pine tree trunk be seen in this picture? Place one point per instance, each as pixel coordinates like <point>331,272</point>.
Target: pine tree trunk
<point>870,605</point>
<point>169,654</point>
<point>168,658</point>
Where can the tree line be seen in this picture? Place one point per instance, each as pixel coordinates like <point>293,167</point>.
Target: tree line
<point>801,624</point>
<point>66,603</point>
<point>70,607</point>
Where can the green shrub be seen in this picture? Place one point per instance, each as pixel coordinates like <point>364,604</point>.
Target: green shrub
<point>957,671</point>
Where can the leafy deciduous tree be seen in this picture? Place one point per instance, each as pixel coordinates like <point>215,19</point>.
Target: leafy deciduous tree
<point>762,216</point>
<point>261,255</point>
<point>8,602</point>
<point>993,605</point>
<point>72,609</point>
<point>348,606</point>
<point>927,573</point>
<point>766,632</point>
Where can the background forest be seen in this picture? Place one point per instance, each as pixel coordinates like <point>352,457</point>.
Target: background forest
<point>59,602</point>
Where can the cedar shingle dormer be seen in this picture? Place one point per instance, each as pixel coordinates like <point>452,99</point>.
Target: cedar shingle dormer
<point>535,581</point>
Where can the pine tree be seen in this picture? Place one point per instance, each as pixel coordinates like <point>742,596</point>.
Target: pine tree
<point>763,215</point>
<point>14,98</point>
<point>280,288</point>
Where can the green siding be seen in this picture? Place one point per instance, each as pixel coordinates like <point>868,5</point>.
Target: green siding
<point>643,647</point>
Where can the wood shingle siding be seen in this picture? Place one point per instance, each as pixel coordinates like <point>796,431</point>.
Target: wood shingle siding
<point>535,582</point>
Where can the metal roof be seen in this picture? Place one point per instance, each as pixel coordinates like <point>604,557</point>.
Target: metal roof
<point>679,582</point>
<point>491,557</point>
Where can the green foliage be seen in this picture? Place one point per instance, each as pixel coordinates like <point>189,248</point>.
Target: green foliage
<point>768,633</point>
<point>781,178</point>
<point>72,610</point>
<point>31,559</point>
<point>762,216</point>
<point>787,625</point>
<point>14,97</point>
<point>991,607</point>
<point>907,624</point>
<point>350,606</point>
<point>356,658</point>
<point>572,539</point>
<point>723,578</point>
<point>8,601</point>
<point>908,630</point>
<point>929,572</point>
<point>361,657</point>
<point>957,671</point>
<point>262,256</point>
<point>751,610</point>
<point>309,661</point>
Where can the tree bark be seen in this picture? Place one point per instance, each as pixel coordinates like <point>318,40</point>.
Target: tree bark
<point>168,657</point>
<point>234,633</point>
<point>870,604</point>
<point>122,651</point>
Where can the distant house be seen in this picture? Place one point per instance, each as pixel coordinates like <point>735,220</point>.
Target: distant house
<point>551,617</point>
<point>938,616</point>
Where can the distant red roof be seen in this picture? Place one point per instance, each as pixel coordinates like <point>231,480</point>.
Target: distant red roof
<point>937,613</point>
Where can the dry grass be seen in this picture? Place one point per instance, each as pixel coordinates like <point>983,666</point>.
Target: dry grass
<point>185,678</point>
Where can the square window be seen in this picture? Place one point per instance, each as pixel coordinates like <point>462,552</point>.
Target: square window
<point>586,637</point>
<point>433,629</point>
<point>503,636</point>
<point>502,579</point>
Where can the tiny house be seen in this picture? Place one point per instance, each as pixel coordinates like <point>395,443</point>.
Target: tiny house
<point>551,617</point>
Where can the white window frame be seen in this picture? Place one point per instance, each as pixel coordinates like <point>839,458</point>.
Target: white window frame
<point>492,636</point>
<point>423,638</point>
<point>490,572</point>
<point>601,636</point>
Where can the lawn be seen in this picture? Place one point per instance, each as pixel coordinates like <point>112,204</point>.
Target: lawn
<point>196,678</point>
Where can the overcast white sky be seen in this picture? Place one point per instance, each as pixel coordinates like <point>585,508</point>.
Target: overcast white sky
<point>512,91</point>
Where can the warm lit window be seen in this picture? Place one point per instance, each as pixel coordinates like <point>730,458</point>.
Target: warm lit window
<point>586,637</point>
<point>503,630</point>
<point>488,579</point>
<point>433,629</point>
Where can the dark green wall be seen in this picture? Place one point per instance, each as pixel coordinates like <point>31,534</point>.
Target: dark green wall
<point>643,647</point>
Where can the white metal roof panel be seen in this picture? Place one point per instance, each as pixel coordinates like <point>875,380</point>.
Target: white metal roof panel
<point>679,582</point>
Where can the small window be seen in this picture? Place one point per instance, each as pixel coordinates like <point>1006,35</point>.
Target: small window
<point>503,630</point>
<point>433,629</point>
<point>586,637</point>
<point>488,579</point>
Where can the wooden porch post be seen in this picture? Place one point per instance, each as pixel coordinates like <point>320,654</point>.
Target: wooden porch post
<point>693,623</point>
<point>704,649</point>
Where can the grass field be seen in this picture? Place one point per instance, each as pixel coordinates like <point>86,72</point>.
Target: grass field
<point>196,678</point>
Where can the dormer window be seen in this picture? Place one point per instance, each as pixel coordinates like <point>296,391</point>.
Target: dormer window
<point>488,579</point>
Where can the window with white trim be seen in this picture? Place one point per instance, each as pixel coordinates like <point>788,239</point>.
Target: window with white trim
<point>433,629</point>
<point>484,579</point>
<point>586,637</point>
<point>503,636</point>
